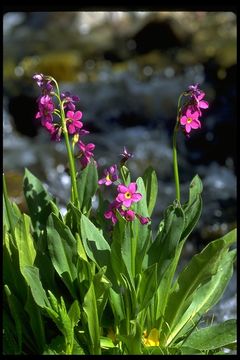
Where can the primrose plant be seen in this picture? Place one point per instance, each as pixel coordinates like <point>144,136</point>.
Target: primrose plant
<point>102,281</point>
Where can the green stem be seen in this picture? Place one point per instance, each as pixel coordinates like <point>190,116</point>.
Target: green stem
<point>72,168</point>
<point>175,161</point>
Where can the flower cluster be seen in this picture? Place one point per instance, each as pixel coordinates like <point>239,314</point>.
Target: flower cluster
<point>70,119</point>
<point>191,112</point>
<point>126,196</point>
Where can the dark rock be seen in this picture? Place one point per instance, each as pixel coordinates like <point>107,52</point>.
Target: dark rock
<point>156,35</point>
<point>23,109</point>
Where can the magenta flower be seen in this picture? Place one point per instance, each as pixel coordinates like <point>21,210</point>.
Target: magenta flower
<point>44,83</point>
<point>127,194</point>
<point>111,213</point>
<point>197,96</point>
<point>69,100</point>
<point>190,120</point>
<point>73,122</point>
<point>143,220</point>
<point>85,153</point>
<point>129,215</point>
<point>55,130</point>
<point>46,108</point>
<point>110,175</point>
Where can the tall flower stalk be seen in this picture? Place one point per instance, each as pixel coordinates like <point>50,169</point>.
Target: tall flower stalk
<point>72,168</point>
<point>188,116</point>
<point>69,125</point>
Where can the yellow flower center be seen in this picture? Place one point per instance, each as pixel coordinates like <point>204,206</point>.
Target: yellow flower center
<point>128,195</point>
<point>108,177</point>
<point>152,339</point>
<point>189,120</point>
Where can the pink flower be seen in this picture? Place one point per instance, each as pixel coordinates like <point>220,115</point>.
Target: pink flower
<point>85,153</point>
<point>111,213</point>
<point>127,194</point>
<point>129,215</point>
<point>197,96</point>
<point>110,175</point>
<point>73,122</point>
<point>69,100</point>
<point>44,83</point>
<point>46,108</point>
<point>190,120</point>
<point>143,220</point>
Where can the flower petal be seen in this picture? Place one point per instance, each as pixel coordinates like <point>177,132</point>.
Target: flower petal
<point>127,202</point>
<point>71,129</point>
<point>203,104</point>
<point>78,124</point>
<point>188,128</point>
<point>183,120</point>
<point>77,115</point>
<point>122,188</point>
<point>136,197</point>
<point>70,114</point>
<point>132,187</point>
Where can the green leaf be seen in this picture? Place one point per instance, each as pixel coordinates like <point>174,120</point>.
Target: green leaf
<point>95,245</point>
<point>202,291</point>
<point>193,208</point>
<point>57,347</point>
<point>36,322</point>
<point>141,233</point>
<point>59,315</point>
<point>116,302</point>
<point>92,321</point>
<point>38,200</point>
<point>147,286</point>
<point>63,251</point>
<point>151,186</point>
<point>213,337</point>
<point>87,183</point>
<point>24,240</point>
<point>31,274</point>
<point>74,313</point>
<point>14,306</point>
<point>162,250</point>
<point>101,288</point>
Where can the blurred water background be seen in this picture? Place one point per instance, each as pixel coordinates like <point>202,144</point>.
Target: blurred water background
<point>129,68</point>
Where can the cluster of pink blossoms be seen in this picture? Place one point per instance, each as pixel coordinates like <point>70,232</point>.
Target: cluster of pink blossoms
<point>47,110</point>
<point>191,112</point>
<point>127,195</point>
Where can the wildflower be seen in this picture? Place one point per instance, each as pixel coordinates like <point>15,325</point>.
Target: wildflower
<point>126,155</point>
<point>69,100</point>
<point>85,153</point>
<point>110,175</point>
<point>46,108</point>
<point>190,120</point>
<point>152,339</point>
<point>143,220</point>
<point>127,194</point>
<point>44,83</point>
<point>111,213</point>
<point>73,122</point>
<point>197,96</point>
<point>129,215</point>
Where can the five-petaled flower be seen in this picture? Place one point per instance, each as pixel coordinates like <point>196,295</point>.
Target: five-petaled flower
<point>190,120</point>
<point>127,194</point>
<point>110,175</point>
<point>73,122</point>
<point>85,153</point>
